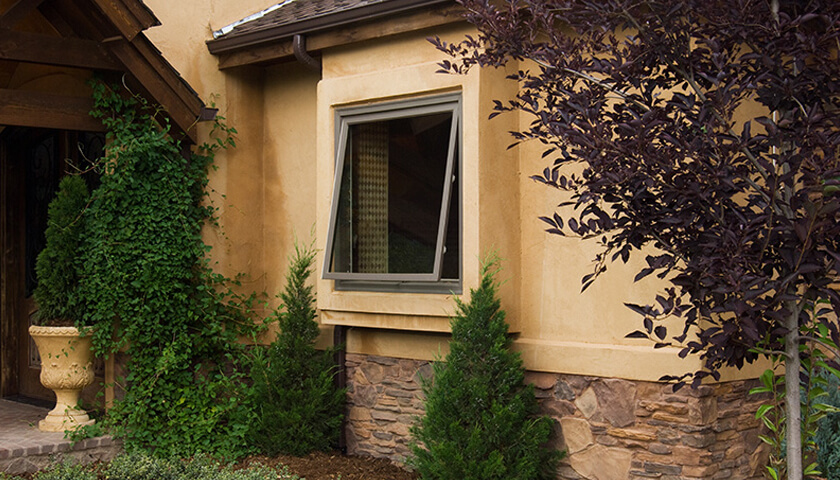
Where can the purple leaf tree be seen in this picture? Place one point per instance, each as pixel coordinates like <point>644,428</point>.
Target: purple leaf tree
<point>707,130</point>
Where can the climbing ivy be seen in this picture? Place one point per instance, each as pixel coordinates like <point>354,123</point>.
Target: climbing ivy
<point>148,289</point>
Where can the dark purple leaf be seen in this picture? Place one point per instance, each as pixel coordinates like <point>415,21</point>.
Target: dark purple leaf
<point>660,332</point>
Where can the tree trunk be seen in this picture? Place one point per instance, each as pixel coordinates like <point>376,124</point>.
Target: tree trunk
<point>793,409</point>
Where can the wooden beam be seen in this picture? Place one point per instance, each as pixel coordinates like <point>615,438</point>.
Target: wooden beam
<point>18,12</point>
<point>157,77</point>
<point>281,50</point>
<point>129,16</point>
<point>7,72</point>
<point>149,74</point>
<point>58,21</point>
<point>72,18</point>
<point>44,110</point>
<point>50,50</point>
<point>11,201</point>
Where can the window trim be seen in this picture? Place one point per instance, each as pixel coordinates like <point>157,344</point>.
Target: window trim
<point>413,282</point>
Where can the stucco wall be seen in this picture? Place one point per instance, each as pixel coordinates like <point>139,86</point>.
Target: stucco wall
<point>238,184</point>
<point>278,183</point>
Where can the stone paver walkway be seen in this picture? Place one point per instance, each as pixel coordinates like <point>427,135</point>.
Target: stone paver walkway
<point>24,448</point>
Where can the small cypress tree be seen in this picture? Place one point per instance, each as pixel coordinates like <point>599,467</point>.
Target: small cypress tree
<point>298,408</point>
<point>481,418</point>
<point>56,265</point>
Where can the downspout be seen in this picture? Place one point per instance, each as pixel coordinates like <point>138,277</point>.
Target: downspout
<point>299,48</point>
<point>339,331</point>
<point>340,349</point>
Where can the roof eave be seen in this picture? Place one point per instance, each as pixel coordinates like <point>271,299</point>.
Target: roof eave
<point>130,16</point>
<point>141,58</point>
<point>227,44</point>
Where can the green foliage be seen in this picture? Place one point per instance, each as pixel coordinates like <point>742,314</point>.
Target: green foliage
<point>481,418</point>
<point>297,407</point>
<point>57,264</point>
<point>148,289</point>
<point>828,433</point>
<point>773,416</point>
<point>817,405</point>
<point>138,466</point>
<point>66,471</point>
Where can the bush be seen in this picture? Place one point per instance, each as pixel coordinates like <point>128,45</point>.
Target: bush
<point>298,408</point>
<point>828,433</point>
<point>481,421</point>
<point>56,265</point>
<point>66,471</point>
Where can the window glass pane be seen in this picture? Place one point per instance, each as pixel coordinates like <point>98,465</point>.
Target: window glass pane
<point>392,186</point>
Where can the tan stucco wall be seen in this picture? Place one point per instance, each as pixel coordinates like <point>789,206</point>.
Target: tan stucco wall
<point>238,183</point>
<point>278,184</point>
<point>560,329</point>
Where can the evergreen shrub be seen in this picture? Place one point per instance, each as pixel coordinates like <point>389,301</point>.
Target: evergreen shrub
<point>481,419</point>
<point>57,265</point>
<point>297,406</point>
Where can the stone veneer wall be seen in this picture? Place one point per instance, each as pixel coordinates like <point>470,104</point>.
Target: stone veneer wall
<point>611,428</point>
<point>383,399</point>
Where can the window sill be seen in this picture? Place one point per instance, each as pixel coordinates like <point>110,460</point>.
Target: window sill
<point>445,287</point>
<point>413,323</point>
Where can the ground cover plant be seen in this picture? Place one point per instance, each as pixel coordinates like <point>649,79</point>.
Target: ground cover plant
<point>481,419</point>
<point>297,406</point>
<point>705,137</point>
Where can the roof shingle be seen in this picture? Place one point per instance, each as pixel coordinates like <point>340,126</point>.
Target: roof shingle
<point>295,11</point>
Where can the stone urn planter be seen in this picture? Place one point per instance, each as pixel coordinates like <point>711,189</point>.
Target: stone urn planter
<point>66,369</point>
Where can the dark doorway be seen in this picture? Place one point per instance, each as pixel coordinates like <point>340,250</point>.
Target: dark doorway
<point>32,161</point>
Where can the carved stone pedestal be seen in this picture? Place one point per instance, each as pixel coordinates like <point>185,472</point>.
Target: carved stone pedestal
<point>66,369</point>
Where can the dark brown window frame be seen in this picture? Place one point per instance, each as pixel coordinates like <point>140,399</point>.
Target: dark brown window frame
<point>400,282</point>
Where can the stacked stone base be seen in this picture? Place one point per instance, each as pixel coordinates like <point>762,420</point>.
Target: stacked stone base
<point>610,428</point>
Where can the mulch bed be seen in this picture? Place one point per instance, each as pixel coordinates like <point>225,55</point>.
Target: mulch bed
<point>328,466</point>
<point>332,466</point>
